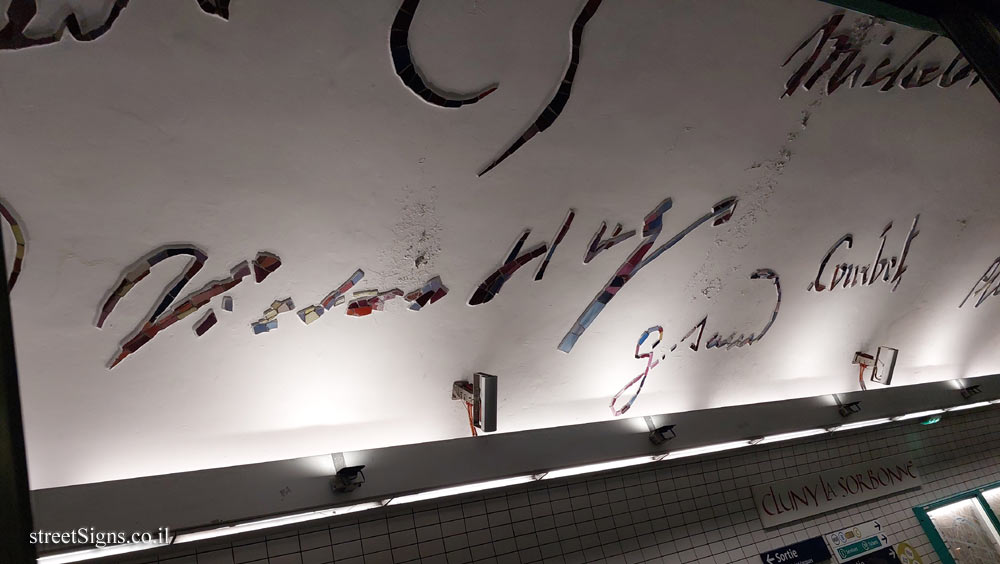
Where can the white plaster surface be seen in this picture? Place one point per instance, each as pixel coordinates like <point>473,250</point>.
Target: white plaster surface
<point>286,130</point>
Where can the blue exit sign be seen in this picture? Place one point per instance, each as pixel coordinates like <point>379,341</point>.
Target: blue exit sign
<point>811,551</point>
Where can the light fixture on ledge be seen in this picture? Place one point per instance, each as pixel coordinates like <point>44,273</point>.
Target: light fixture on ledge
<point>662,434</point>
<point>284,520</point>
<point>967,393</point>
<point>848,409</point>
<point>347,478</point>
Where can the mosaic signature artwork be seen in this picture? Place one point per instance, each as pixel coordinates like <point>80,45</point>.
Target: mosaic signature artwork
<point>313,312</point>
<point>555,243</point>
<point>362,304</point>
<point>270,320</point>
<point>555,106</point>
<point>716,341</point>
<point>720,213</point>
<point>494,282</point>
<point>846,48</point>
<point>599,245</point>
<point>141,269</point>
<point>21,247</point>
<point>846,275</point>
<point>160,318</point>
<point>370,301</point>
<point>171,308</point>
<point>651,362</point>
<point>431,292</point>
<point>21,12</point>
<point>406,68</point>
<point>986,286</point>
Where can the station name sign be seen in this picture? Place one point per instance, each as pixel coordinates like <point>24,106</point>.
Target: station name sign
<point>813,494</point>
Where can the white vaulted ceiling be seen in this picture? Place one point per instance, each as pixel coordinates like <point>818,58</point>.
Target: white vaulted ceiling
<point>286,130</point>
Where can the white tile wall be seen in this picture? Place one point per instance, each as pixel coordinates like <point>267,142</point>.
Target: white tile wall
<point>697,511</point>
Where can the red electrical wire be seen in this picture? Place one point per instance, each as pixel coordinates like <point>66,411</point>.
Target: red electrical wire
<point>472,423</point>
<point>861,377</point>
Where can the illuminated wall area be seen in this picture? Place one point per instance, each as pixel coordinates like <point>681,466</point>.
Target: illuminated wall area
<point>253,232</point>
<point>700,511</point>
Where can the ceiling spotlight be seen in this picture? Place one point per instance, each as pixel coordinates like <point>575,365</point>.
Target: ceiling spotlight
<point>849,409</point>
<point>971,391</point>
<point>348,479</point>
<point>662,434</point>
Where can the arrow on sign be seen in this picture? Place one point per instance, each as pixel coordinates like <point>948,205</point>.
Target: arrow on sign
<point>884,540</point>
<point>878,527</point>
<point>769,559</point>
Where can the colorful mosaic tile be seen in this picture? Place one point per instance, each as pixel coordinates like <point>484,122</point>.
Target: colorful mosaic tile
<point>431,292</point>
<point>263,326</point>
<point>270,320</point>
<point>150,329</point>
<point>367,306</point>
<point>599,245</point>
<point>335,298</point>
<point>310,313</point>
<point>651,363</point>
<point>206,323</point>
<point>282,306</point>
<point>555,243</point>
<point>264,265</point>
